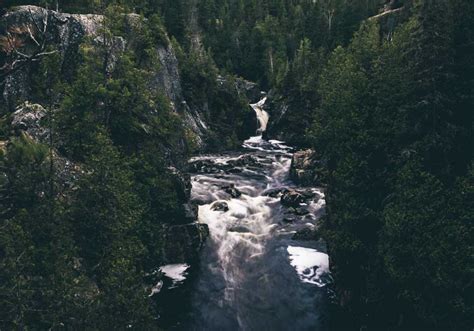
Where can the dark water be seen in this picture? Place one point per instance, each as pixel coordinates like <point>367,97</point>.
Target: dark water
<point>246,280</point>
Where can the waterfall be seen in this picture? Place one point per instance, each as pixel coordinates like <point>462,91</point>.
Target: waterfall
<point>262,115</point>
<point>254,273</point>
<point>258,269</point>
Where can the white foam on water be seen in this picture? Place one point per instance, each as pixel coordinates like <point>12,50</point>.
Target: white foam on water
<point>262,115</point>
<point>176,272</point>
<point>309,264</point>
<point>247,212</point>
<point>156,289</point>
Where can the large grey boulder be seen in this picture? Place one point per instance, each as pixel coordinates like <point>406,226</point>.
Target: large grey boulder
<point>304,168</point>
<point>28,118</point>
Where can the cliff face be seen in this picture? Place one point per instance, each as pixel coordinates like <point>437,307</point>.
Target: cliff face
<point>64,33</point>
<point>42,32</point>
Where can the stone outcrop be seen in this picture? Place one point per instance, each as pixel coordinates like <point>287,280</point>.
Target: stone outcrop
<point>304,168</point>
<point>27,118</point>
<point>278,108</point>
<point>292,198</point>
<point>65,33</point>
<point>182,237</point>
<point>249,89</point>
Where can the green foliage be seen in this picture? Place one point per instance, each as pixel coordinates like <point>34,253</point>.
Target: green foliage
<point>427,240</point>
<point>119,102</point>
<point>204,88</point>
<point>76,241</point>
<point>37,254</point>
<point>391,119</point>
<point>107,237</point>
<point>389,129</point>
<point>257,39</point>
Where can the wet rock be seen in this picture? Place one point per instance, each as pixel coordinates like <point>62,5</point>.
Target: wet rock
<point>200,201</point>
<point>301,211</point>
<point>220,206</point>
<point>245,160</point>
<point>201,166</point>
<point>275,192</point>
<point>309,194</point>
<point>182,182</point>
<point>208,166</point>
<point>232,191</point>
<point>289,219</point>
<point>239,229</point>
<point>306,234</point>
<point>292,198</point>
<point>182,243</point>
<point>234,171</point>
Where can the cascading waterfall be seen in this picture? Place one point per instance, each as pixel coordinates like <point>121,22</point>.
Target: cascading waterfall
<point>262,115</point>
<point>254,274</point>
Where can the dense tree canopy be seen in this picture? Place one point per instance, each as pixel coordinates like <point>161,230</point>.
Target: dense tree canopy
<point>387,102</point>
<point>392,126</point>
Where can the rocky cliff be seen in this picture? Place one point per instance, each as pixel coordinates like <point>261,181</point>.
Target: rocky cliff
<point>41,33</point>
<point>64,33</point>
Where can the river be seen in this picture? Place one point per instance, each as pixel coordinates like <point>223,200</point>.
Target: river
<point>254,273</point>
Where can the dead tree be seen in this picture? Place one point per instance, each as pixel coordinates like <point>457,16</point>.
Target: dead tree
<point>13,42</point>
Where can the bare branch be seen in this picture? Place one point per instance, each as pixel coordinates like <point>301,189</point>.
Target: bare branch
<point>32,36</point>
<point>14,40</point>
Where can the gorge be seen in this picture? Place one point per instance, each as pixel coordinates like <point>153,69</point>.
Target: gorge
<point>255,271</point>
<point>261,255</point>
<point>147,182</point>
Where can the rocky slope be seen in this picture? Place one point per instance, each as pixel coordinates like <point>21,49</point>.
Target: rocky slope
<point>65,32</point>
<point>41,30</point>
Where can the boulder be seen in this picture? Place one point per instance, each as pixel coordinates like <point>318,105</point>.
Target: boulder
<point>289,219</point>
<point>309,194</point>
<point>245,161</point>
<point>220,206</point>
<point>304,167</point>
<point>275,192</point>
<point>232,191</point>
<point>306,234</point>
<point>239,229</point>
<point>292,198</point>
<point>301,211</point>
<point>206,166</point>
<point>27,118</point>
